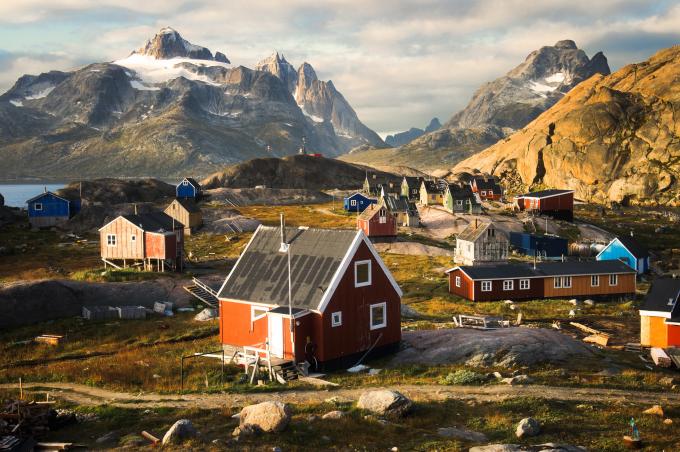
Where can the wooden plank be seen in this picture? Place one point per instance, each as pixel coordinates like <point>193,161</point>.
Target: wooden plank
<point>598,339</point>
<point>587,329</point>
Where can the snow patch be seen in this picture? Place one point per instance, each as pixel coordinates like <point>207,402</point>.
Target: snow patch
<point>557,77</point>
<point>152,71</point>
<point>141,87</point>
<point>310,116</point>
<point>40,94</point>
<point>16,103</point>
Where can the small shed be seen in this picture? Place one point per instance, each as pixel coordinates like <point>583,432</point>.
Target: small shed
<point>628,250</point>
<point>553,202</point>
<point>539,245</point>
<point>49,209</point>
<point>357,202</point>
<point>188,188</point>
<point>377,221</point>
<point>187,212</point>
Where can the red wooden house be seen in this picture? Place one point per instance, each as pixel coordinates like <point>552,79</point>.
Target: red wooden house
<point>377,221</point>
<point>344,300</point>
<point>556,203</point>
<point>487,188</point>
<point>153,241</point>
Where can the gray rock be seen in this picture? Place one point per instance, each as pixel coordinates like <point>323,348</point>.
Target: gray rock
<point>179,432</point>
<point>461,433</point>
<point>108,438</point>
<point>384,402</point>
<point>270,416</point>
<point>589,302</point>
<point>575,302</point>
<point>527,427</point>
<point>517,380</point>
<point>246,430</point>
<point>206,314</point>
<point>336,414</point>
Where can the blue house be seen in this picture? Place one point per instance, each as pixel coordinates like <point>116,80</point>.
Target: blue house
<point>539,245</point>
<point>188,188</point>
<point>627,250</point>
<point>48,209</point>
<point>357,202</point>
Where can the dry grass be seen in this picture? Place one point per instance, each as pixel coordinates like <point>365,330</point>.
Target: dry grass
<point>329,215</point>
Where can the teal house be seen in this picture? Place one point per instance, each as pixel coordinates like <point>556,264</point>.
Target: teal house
<point>627,250</point>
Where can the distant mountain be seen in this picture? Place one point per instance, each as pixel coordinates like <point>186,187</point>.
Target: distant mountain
<point>611,139</point>
<point>498,108</point>
<point>169,109</point>
<point>401,138</point>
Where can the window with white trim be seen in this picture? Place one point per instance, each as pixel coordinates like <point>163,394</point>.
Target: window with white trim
<point>362,273</point>
<point>594,280</point>
<point>382,219</point>
<point>336,318</point>
<point>483,192</point>
<point>352,202</point>
<point>257,312</point>
<point>524,284</point>
<point>378,315</point>
<point>486,286</point>
<point>459,202</point>
<point>613,280</point>
<point>37,206</point>
<point>566,282</point>
<point>457,281</point>
<point>508,284</point>
<point>185,182</point>
<point>557,282</point>
<point>110,239</point>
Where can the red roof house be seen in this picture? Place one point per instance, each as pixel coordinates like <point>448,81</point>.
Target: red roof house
<point>343,299</point>
<point>377,221</point>
<point>556,203</point>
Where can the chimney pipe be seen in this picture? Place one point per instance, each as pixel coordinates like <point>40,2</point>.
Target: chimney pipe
<point>284,245</point>
<point>535,259</point>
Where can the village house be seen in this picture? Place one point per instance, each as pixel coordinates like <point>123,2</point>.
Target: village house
<point>431,193</point>
<point>357,202</point>
<point>558,204</point>
<point>343,299</point>
<point>374,185</point>
<point>377,222</point>
<point>151,241</point>
<point>186,212</point>
<point>540,246</point>
<point>49,209</point>
<point>543,280</point>
<point>410,188</point>
<point>487,188</point>
<point>458,198</point>
<point>481,242</point>
<point>405,211</point>
<point>628,250</point>
<point>188,188</point>
<point>660,314</point>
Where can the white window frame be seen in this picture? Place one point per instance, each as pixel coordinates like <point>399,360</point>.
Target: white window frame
<point>566,282</point>
<point>111,240</point>
<point>352,202</point>
<point>253,316</point>
<point>185,182</point>
<point>483,192</point>
<point>336,319</point>
<point>38,206</point>
<point>615,278</point>
<point>508,284</point>
<point>382,219</point>
<point>370,268</point>
<point>459,202</point>
<point>382,305</point>
<point>594,280</point>
<point>457,281</point>
<point>524,284</point>
<point>557,282</point>
<point>133,238</point>
<point>487,286</point>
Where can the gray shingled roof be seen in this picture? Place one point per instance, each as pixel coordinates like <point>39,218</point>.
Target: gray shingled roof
<point>634,246</point>
<point>154,221</point>
<point>544,269</point>
<point>660,293</point>
<point>261,274</point>
<point>400,204</point>
<point>189,204</point>
<point>487,183</point>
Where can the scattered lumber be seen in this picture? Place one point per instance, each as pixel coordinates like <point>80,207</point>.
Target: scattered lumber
<point>24,419</point>
<point>599,339</point>
<point>155,441</point>
<point>633,347</point>
<point>481,322</point>
<point>660,357</point>
<point>50,339</point>
<point>56,446</point>
<point>587,329</point>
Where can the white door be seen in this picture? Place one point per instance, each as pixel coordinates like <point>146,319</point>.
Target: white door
<point>276,335</point>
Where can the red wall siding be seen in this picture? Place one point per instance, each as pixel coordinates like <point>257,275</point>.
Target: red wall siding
<point>373,227</point>
<point>236,327</point>
<point>466,284</point>
<point>561,202</point>
<point>534,291</point>
<point>673,335</point>
<point>155,245</point>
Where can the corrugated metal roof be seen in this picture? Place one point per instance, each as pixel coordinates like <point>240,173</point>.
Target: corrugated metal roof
<point>261,274</point>
<point>662,291</point>
<point>474,230</point>
<point>546,193</point>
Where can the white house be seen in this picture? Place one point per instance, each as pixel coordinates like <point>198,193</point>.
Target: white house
<point>481,242</point>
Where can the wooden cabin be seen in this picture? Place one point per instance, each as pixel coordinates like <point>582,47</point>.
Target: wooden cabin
<point>660,314</point>
<point>344,301</point>
<point>49,209</point>
<point>375,184</point>
<point>458,198</point>
<point>188,188</point>
<point>431,193</point>
<point>487,188</point>
<point>555,203</point>
<point>405,211</point>
<point>357,202</point>
<point>481,242</point>
<point>150,241</point>
<point>377,222</point>
<point>544,280</point>
<point>410,188</point>
<point>628,250</point>
<point>186,212</point>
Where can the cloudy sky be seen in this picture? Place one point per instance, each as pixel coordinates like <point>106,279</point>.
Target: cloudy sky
<point>398,62</point>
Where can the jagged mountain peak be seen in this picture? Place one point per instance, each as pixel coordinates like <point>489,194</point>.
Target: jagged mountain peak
<point>565,44</point>
<point>168,43</point>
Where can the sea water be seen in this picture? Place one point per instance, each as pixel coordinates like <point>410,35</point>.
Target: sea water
<point>16,195</point>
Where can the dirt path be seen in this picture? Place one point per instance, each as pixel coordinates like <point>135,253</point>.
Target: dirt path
<point>89,396</point>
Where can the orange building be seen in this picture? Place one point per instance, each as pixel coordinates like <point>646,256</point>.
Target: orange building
<point>660,315</point>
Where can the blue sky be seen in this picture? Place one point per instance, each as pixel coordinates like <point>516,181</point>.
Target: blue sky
<point>399,63</point>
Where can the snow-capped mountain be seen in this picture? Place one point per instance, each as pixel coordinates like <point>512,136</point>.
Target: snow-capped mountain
<point>167,109</point>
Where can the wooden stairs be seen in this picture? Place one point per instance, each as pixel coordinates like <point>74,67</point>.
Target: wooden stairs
<point>285,371</point>
<point>203,292</point>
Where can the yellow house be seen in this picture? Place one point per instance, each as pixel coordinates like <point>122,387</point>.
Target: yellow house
<point>431,193</point>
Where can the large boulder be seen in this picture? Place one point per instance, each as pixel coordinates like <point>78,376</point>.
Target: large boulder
<point>463,434</point>
<point>528,427</point>
<point>268,416</point>
<point>386,403</point>
<point>179,432</point>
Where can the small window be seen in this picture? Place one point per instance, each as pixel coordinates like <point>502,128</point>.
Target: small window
<point>486,286</point>
<point>185,183</point>
<point>353,202</point>
<point>483,192</point>
<point>457,281</point>
<point>613,280</point>
<point>459,202</point>
<point>382,220</point>
<point>37,206</point>
<point>557,282</point>
<point>523,284</point>
<point>362,273</point>
<point>336,318</point>
<point>595,280</point>
<point>111,240</point>
<point>508,284</point>
<point>257,313</point>
<point>566,282</point>
<point>378,315</point>
<point>133,238</point>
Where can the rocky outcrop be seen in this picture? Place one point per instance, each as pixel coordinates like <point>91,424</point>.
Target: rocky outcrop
<point>527,427</point>
<point>169,44</point>
<point>180,431</point>
<point>611,139</point>
<point>383,402</point>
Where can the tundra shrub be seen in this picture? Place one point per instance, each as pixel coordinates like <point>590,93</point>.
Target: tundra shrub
<point>463,377</point>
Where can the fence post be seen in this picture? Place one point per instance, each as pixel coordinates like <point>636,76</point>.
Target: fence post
<point>181,372</point>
